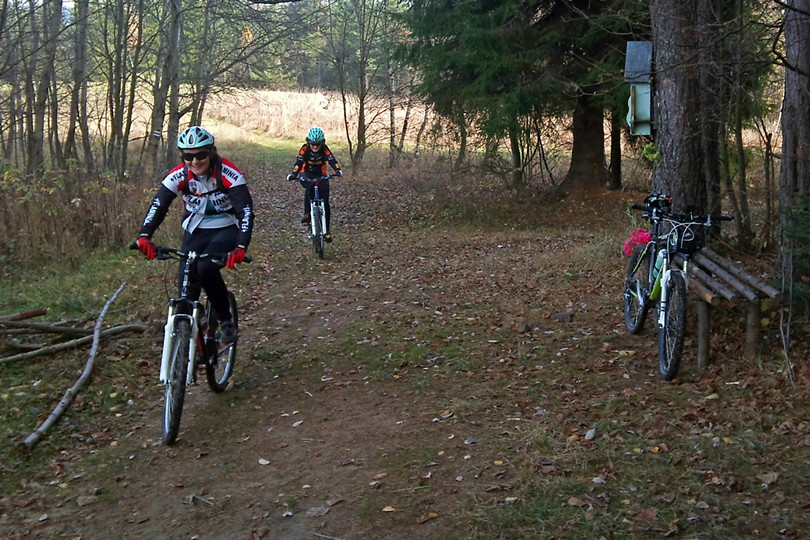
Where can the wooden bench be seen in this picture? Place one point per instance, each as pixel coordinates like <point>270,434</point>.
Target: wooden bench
<point>715,279</point>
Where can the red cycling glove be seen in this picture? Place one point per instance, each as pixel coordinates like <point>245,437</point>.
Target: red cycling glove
<point>147,247</point>
<point>235,257</point>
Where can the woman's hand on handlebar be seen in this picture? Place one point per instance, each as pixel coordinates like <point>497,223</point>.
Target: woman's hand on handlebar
<point>147,247</point>
<point>235,257</point>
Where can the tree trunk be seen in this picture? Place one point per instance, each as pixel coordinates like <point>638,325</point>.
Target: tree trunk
<point>795,172</point>
<point>78,94</point>
<point>615,181</point>
<point>587,169</point>
<point>711,103</point>
<point>677,118</point>
<point>461,157</point>
<point>518,181</point>
<point>173,82</point>
<point>392,126</point>
<point>41,73</point>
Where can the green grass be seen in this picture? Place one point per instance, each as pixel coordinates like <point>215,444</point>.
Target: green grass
<point>75,292</point>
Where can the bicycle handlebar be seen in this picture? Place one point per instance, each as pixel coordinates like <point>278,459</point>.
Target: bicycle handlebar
<point>316,180</point>
<point>163,253</point>
<point>703,219</point>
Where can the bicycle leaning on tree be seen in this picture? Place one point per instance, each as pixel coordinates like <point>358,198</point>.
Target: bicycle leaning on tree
<point>190,341</point>
<point>653,279</point>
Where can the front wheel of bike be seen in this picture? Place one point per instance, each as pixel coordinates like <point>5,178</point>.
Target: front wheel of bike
<point>222,356</point>
<point>317,236</point>
<point>637,289</point>
<point>671,335</point>
<point>176,384</point>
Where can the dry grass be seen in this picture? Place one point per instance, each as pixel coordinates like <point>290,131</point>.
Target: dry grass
<point>283,114</point>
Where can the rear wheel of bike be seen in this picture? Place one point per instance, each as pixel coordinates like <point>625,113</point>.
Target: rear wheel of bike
<point>222,356</point>
<point>637,289</point>
<point>176,385</point>
<point>670,337</point>
<point>317,236</point>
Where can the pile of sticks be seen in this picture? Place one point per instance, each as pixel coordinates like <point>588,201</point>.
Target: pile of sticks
<point>16,333</point>
<point>14,325</point>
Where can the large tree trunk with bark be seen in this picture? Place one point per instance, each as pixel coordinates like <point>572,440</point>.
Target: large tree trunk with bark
<point>709,15</point>
<point>587,170</point>
<point>795,172</point>
<point>676,99</point>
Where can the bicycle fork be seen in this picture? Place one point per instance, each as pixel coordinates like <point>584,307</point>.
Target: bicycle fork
<point>317,211</point>
<point>663,297</point>
<point>662,303</point>
<point>169,334</point>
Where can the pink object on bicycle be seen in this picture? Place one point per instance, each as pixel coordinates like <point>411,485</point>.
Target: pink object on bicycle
<point>639,237</point>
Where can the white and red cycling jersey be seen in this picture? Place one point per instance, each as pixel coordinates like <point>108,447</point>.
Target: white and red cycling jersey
<point>220,199</point>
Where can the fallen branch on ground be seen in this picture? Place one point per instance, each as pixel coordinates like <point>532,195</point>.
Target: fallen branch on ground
<point>45,327</point>
<point>60,408</point>
<point>15,344</point>
<point>73,343</point>
<point>23,315</point>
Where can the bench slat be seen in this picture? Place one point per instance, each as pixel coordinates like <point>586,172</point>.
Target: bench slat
<point>708,280</point>
<point>771,292</point>
<point>710,265</point>
<point>703,291</point>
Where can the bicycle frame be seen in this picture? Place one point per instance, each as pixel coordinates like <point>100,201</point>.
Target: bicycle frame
<point>183,308</point>
<point>198,347</point>
<point>662,246</point>
<point>672,235</point>
<point>659,277</point>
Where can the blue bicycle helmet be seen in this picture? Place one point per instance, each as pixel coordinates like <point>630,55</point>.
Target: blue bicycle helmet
<point>316,136</point>
<point>194,137</point>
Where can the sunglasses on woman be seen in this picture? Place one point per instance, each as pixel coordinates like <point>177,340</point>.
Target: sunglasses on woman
<point>199,156</point>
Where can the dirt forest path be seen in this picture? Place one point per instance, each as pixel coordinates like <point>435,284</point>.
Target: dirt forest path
<point>395,390</point>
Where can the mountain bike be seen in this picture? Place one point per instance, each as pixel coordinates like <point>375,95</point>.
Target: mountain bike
<point>190,341</point>
<point>651,277</point>
<point>317,215</point>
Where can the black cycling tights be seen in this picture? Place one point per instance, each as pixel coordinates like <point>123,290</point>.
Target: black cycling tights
<point>208,274</point>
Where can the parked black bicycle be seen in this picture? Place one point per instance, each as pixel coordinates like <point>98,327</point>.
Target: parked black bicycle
<point>651,276</point>
<point>190,340</point>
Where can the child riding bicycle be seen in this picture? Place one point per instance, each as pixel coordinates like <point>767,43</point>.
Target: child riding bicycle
<point>311,163</point>
<point>218,219</point>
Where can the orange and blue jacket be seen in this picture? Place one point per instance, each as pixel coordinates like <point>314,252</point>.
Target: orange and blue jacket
<point>314,163</point>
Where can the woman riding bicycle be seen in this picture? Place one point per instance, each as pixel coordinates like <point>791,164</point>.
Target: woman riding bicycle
<point>218,218</point>
<point>311,163</point>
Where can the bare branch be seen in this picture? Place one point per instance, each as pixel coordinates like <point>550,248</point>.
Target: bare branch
<point>23,315</point>
<point>73,343</point>
<point>44,327</point>
<point>36,436</point>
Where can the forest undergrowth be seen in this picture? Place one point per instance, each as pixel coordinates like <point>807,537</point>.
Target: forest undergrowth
<point>456,367</point>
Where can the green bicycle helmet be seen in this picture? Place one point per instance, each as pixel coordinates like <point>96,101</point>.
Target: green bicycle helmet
<point>194,137</point>
<point>316,136</point>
